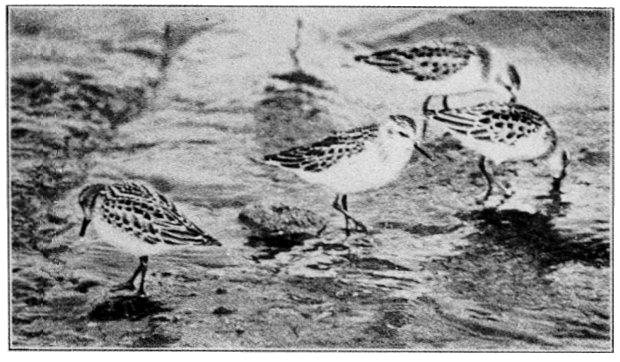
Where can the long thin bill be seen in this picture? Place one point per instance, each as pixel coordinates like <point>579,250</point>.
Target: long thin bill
<point>423,151</point>
<point>85,223</point>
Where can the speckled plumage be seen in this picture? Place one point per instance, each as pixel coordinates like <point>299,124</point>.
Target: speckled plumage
<point>502,132</point>
<point>356,160</point>
<point>138,220</point>
<point>147,215</point>
<point>449,67</point>
<point>499,131</point>
<point>426,61</point>
<point>323,154</point>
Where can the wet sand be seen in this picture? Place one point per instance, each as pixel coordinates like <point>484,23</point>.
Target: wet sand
<point>439,272</point>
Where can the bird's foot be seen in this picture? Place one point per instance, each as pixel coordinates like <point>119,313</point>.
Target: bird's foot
<point>361,227</point>
<point>141,293</point>
<point>556,186</point>
<point>508,194</point>
<point>128,285</point>
<point>482,199</point>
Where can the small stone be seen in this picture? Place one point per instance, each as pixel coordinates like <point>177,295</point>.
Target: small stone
<point>221,291</point>
<point>282,223</point>
<point>85,285</point>
<point>156,340</point>
<point>131,307</point>
<point>161,318</point>
<point>223,311</point>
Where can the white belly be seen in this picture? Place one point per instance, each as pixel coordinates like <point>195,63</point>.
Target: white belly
<point>126,241</point>
<point>368,170</point>
<point>525,149</point>
<point>467,79</point>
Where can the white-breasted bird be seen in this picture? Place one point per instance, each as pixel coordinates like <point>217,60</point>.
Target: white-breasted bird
<point>502,132</point>
<point>355,160</point>
<point>137,220</point>
<point>449,67</point>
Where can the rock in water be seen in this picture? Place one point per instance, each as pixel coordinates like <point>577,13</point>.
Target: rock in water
<point>223,311</point>
<point>130,307</point>
<point>282,223</point>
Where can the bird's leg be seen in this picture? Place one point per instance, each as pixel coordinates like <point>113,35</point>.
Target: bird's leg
<point>358,224</point>
<point>143,263</point>
<point>556,184</point>
<point>343,200</point>
<point>505,191</point>
<point>128,285</point>
<point>337,205</point>
<point>488,177</point>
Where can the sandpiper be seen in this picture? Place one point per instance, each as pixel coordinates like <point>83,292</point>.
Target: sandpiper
<point>137,220</point>
<point>502,132</point>
<point>450,67</point>
<point>355,160</point>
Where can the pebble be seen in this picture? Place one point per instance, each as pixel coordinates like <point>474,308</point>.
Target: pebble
<point>223,311</point>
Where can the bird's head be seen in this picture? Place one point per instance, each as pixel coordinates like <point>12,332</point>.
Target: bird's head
<point>509,79</point>
<point>87,200</point>
<point>406,130</point>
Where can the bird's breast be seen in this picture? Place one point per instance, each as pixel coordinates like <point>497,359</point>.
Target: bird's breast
<point>124,239</point>
<point>370,169</point>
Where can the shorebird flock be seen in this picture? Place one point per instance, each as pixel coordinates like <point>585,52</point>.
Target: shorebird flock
<point>142,221</point>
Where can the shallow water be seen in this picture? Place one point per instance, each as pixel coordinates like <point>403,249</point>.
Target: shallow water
<point>437,272</point>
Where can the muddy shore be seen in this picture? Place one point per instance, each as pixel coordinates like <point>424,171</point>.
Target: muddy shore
<point>183,101</point>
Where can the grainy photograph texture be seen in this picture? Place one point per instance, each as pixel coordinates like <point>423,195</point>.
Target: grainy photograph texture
<point>230,178</point>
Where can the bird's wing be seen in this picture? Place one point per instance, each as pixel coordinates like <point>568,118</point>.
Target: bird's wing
<point>174,228</point>
<point>150,215</point>
<point>142,192</point>
<point>324,154</point>
<point>504,123</point>
<point>423,61</point>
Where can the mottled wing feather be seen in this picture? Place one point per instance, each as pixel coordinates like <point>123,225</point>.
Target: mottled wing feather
<point>175,228</point>
<point>148,215</point>
<point>424,61</point>
<point>326,153</point>
<point>503,123</point>
<point>141,192</point>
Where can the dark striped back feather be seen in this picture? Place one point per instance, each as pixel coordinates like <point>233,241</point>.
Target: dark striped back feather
<point>149,215</point>
<point>327,152</point>
<point>427,60</point>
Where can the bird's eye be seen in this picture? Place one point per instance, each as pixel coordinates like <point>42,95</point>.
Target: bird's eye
<point>403,134</point>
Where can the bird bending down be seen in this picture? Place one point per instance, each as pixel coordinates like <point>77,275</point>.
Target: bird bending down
<point>355,160</point>
<point>138,220</point>
<point>449,67</point>
<point>502,132</point>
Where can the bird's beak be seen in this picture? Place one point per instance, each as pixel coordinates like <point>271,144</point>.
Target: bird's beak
<point>422,151</point>
<point>85,223</point>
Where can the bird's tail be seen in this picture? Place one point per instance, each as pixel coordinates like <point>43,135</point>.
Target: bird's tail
<point>209,240</point>
<point>262,160</point>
